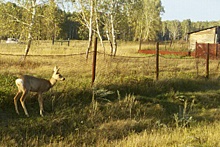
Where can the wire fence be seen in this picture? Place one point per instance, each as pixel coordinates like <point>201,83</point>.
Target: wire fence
<point>122,67</point>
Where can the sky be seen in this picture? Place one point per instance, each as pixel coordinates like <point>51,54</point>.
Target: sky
<point>196,10</point>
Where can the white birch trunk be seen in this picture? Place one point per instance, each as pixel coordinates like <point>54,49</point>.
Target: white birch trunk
<point>110,42</point>
<point>98,32</point>
<point>30,28</point>
<point>90,28</point>
<point>114,42</point>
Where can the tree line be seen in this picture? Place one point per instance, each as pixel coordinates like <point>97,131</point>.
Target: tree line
<point>178,30</point>
<point>112,20</point>
<point>52,21</point>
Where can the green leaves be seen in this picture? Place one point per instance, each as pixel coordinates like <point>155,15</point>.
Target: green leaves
<point>16,20</point>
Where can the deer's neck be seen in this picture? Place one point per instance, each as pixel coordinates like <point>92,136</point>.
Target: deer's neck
<point>53,81</point>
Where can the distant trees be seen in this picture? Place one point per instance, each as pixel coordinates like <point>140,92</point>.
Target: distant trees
<point>110,20</point>
<point>9,27</point>
<point>118,19</point>
<point>174,28</point>
<point>30,19</point>
<point>20,15</point>
<point>177,30</point>
<point>16,18</point>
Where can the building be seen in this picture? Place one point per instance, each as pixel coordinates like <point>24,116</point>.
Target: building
<point>207,35</point>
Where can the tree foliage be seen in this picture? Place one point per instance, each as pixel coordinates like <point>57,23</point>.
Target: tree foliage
<point>16,18</point>
<point>132,20</point>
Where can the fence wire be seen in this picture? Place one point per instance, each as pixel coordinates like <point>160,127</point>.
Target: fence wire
<point>119,67</point>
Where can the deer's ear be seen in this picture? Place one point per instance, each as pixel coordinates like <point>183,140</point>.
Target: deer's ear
<point>56,69</point>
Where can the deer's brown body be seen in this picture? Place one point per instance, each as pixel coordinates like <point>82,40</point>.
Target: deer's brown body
<point>28,84</point>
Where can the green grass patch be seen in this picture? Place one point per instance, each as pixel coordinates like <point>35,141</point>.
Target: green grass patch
<point>126,106</point>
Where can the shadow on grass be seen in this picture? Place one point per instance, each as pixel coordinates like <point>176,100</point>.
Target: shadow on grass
<point>74,113</point>
<point>161,92</point>
<point>165,92</point>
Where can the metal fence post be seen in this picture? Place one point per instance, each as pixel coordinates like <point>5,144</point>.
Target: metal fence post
<point>94,60</point>
<point>68,42</point>
<point>52,40</point>
<point>157,61</point>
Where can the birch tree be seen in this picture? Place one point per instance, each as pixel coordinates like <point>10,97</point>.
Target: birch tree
<point>114,11</point>
<point>7,26</point>
<point>186,28</point>
<point>111,20</point>
<point>90,27</point>
<point>26,16</point>
<point>32,10</point>
<point>90,17</point>
<point>174,29</point>
<point>144,19</point>
<point>85,16</point>
<point>150,19</point>
<point>98,22</point>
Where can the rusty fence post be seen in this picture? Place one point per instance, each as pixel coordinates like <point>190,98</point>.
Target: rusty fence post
<point>157,61</point>
<point>68,41</point>
<point>52,40</point>
<point>94,60</point>
<point>207,61</point>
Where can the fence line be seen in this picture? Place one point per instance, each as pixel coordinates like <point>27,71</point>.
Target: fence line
<point>76,54</point>
<point>55,55</point>
<point>202,49</point>
<point>145,65</point>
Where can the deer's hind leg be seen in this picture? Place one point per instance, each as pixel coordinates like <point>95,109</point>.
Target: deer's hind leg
<point>16,101</point>
<point>22,100</point>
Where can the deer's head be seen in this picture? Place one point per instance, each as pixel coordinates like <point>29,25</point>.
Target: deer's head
<point>57,75</point>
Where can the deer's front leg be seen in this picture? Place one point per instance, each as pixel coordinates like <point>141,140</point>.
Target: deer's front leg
<point>40,100</point>
<point>16,101</point>
<point>22,100</point>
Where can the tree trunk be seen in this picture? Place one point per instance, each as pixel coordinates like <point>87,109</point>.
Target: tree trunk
<point>110,42</point>
<point>114,42</point>
<point>100,37</point>
<point>98,32</point>
<point>30,29</point>
<point>90,28</point>
<point>140,37</point>
<point>28,46</point>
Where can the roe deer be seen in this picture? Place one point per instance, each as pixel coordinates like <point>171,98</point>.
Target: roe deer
<point>28,84</point>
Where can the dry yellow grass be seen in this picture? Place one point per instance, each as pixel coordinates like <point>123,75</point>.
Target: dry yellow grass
<point>138,113</point>
<point>202,135</point>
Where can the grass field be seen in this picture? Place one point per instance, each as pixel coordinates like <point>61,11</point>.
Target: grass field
<point>125,107</point>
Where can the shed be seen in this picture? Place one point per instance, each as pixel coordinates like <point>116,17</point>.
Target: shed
<point>207,35</point>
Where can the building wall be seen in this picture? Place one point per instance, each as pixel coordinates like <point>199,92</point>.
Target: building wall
<point>204,36</point>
